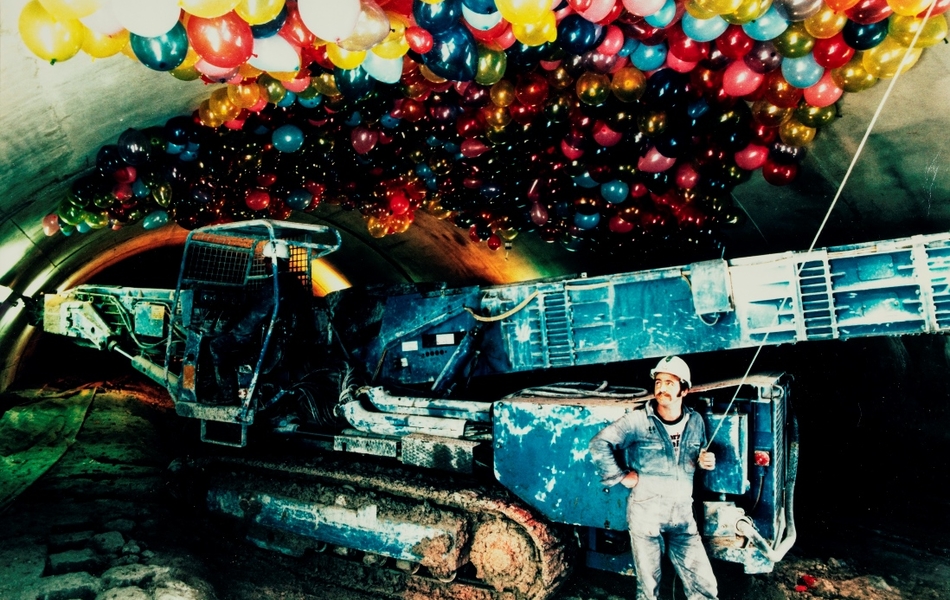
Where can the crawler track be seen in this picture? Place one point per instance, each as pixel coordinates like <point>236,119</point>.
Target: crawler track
<point>499,549</point>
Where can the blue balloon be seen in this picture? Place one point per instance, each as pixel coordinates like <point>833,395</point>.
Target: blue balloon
<point>649,58</point>
<point>287,100</point>
<point>299,199</point>
<point>139,189</point>
<point>155,220</point>
<point>484,7</point>
<point>629,45</point>
<point>766,27</point>
<point>585,180</point>
<point>586,221</point>
<point>83,227</point>
<point>310,102</point>
<point>173,148</point>
<point>614,191</point>
<point>802,72</point>
<point>389,121</point>
<point>270,28</point>
<point>287,138</point>
<point>864,37</point>
<point>354,83</point>
<point>164,52</point>
<point>439,17</point>
<point>703,30</point>
<point>577,35</point>
<point>662,17</point>
<point>454,54</point>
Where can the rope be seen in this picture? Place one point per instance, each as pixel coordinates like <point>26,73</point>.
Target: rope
<point>505,314</point>
<point>834,202</point>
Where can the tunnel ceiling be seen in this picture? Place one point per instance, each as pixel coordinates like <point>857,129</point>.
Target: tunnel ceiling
<point>56,117</point>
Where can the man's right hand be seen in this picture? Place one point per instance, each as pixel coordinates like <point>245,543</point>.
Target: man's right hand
<point>630,480</point>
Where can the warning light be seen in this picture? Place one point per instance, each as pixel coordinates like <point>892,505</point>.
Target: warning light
<point>761,458</point>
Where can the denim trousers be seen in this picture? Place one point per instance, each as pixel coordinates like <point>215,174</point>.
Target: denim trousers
<point>659,524</point>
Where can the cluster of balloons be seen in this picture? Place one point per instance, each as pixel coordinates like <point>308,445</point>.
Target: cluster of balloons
<point>594,122</point>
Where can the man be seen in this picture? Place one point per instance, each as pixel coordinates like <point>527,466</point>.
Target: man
<point>663,442</point>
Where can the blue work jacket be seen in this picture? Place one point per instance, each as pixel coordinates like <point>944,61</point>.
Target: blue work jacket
<point>641,438</point>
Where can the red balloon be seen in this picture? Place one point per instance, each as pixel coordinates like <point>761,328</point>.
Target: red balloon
<point>686,176</point>
<point>605,136</point>
<point>751,157</point>
<point>824,93</point>
<point>257,199</point>
<point>685,48</point>
<point>779,173</point>
<point>363,139</point>
<point>399,203</point>
<point>293,29</point>
<point>740,80</point>
<point>531,89</point>
<point>618,224</point>
<point>612,41</point>
<point>580,5</point>
<point>471,148</point>
<point>940,7</point>
<point>494,241</point>
<point>866,12</point>
<point>224,41</point>
<point>419,39</point>
<point>654,162</point>
<point>764,134</point>
<point>832,52</point>
<point>734,43</point>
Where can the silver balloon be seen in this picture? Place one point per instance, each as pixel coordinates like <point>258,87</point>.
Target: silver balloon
<point>797,10</point>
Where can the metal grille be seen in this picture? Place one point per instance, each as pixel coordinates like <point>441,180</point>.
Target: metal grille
<point>938,262</point>
<point>557,330</point>
<point>218,264</point>
<point>815,288</point>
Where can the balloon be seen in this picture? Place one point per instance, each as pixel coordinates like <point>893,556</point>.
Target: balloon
<point>832,52</point>
<point>628,84</point>
<point>778,173</point>
<point>537,33</point>
<point>481,21</point>
<point>763,58</point>
<point>372,27</point>
<point>454,54</point>
<point>98,45</point>
<point>363,139</point>
<point>133,146</point>
<point>354,83</point>
<point>492,64</point>
<point>825,23</point>
<point>734,43</point>
<point>208,9</point>
<point>902,30</point>
<point>395,45</point>
<point>71,9</point>
<point>815,116</point>
<point>802,72</point>
<point>614,191</point>
<point>643,8</point>
<point>275,55</point>
<point>797,10</point>
<point>257,199</point>
<point>889,58</point>
<point>147,19</point>
<point>385,70</point>
<point>50,224</point>
<point>864,36</point>
<point>866,12</point>
<point>437,17</point>
<point>649,58</point>
<point>345,59</point>
<point>654,162</point>
<point>49,38</point>
<point>751,157</point>
<point>164,52</point>
<point>577,35</point>
<point>258,12</point>
<point>225,41</point>
<point>767,114</point>
<point>767,26</point>
<point>155,220</point>
<point>103,21</point>
<point>593,88</point>
<point>794,42</point>
<point>853,77</point>
<point>739,80</point>
<point>523,11</point>
<point>330,20</point>
<point>586,221</point>
<point>664,16</point>
<point>703,30</point>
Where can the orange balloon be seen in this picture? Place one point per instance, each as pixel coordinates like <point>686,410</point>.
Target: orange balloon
<point>840,5</point>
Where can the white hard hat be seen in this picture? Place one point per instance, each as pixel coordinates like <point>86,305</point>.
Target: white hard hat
<point>674,365</point>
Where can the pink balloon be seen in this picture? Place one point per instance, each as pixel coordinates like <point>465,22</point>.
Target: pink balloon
<point>297,85</point>
<point>824,93</point>
<point>598,10</point>
<point>214,71</point>
<point>739,80</point>
<point>612,42</point>
<point>570,152</point>
<point>363,139</point>
<point>50,225</point>
<point>751,157</point>
<point>605,136</point>
<point>680,66</point>
<point>654,162</point>
<point>643,8</point>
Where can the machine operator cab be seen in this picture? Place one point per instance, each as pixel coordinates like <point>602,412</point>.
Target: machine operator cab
<point>245,303</point>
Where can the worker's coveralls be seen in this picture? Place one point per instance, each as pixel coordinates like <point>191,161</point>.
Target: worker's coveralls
<point>660,506</point>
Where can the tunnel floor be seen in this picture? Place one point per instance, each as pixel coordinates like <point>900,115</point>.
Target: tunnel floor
<point>101,524</point>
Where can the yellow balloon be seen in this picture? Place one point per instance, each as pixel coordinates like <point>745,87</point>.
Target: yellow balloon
<point>497,117</point>
<point>889,58</point>
<point>538,32</point>
<point>503,93</point>
<point>592,88</point>
<point>853,77</point>
<point>825,23</point>
<point>220,104</point>
<point>207,116</point>
<point>272,88</point>
<point>628,84</point>
<point>247,70</point>
<point>766,113</point>
<point>794,133</point>
<point>48,38</point>
<point>909,8</point>
<point>72,9</point>
<point>395,44</point>
<point>722,7</point>
<point>699,9</point>
<point>400,223</point>
<point>903,29</point>
<point>325,84</point>
<point>257,12</point>
<point>523,12</point>
<point>377,227</point>
<point>748,11</point>
<point>189,73</point>
<point>208,8</point>
<point>344,59</point>
<point>98,45</point>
